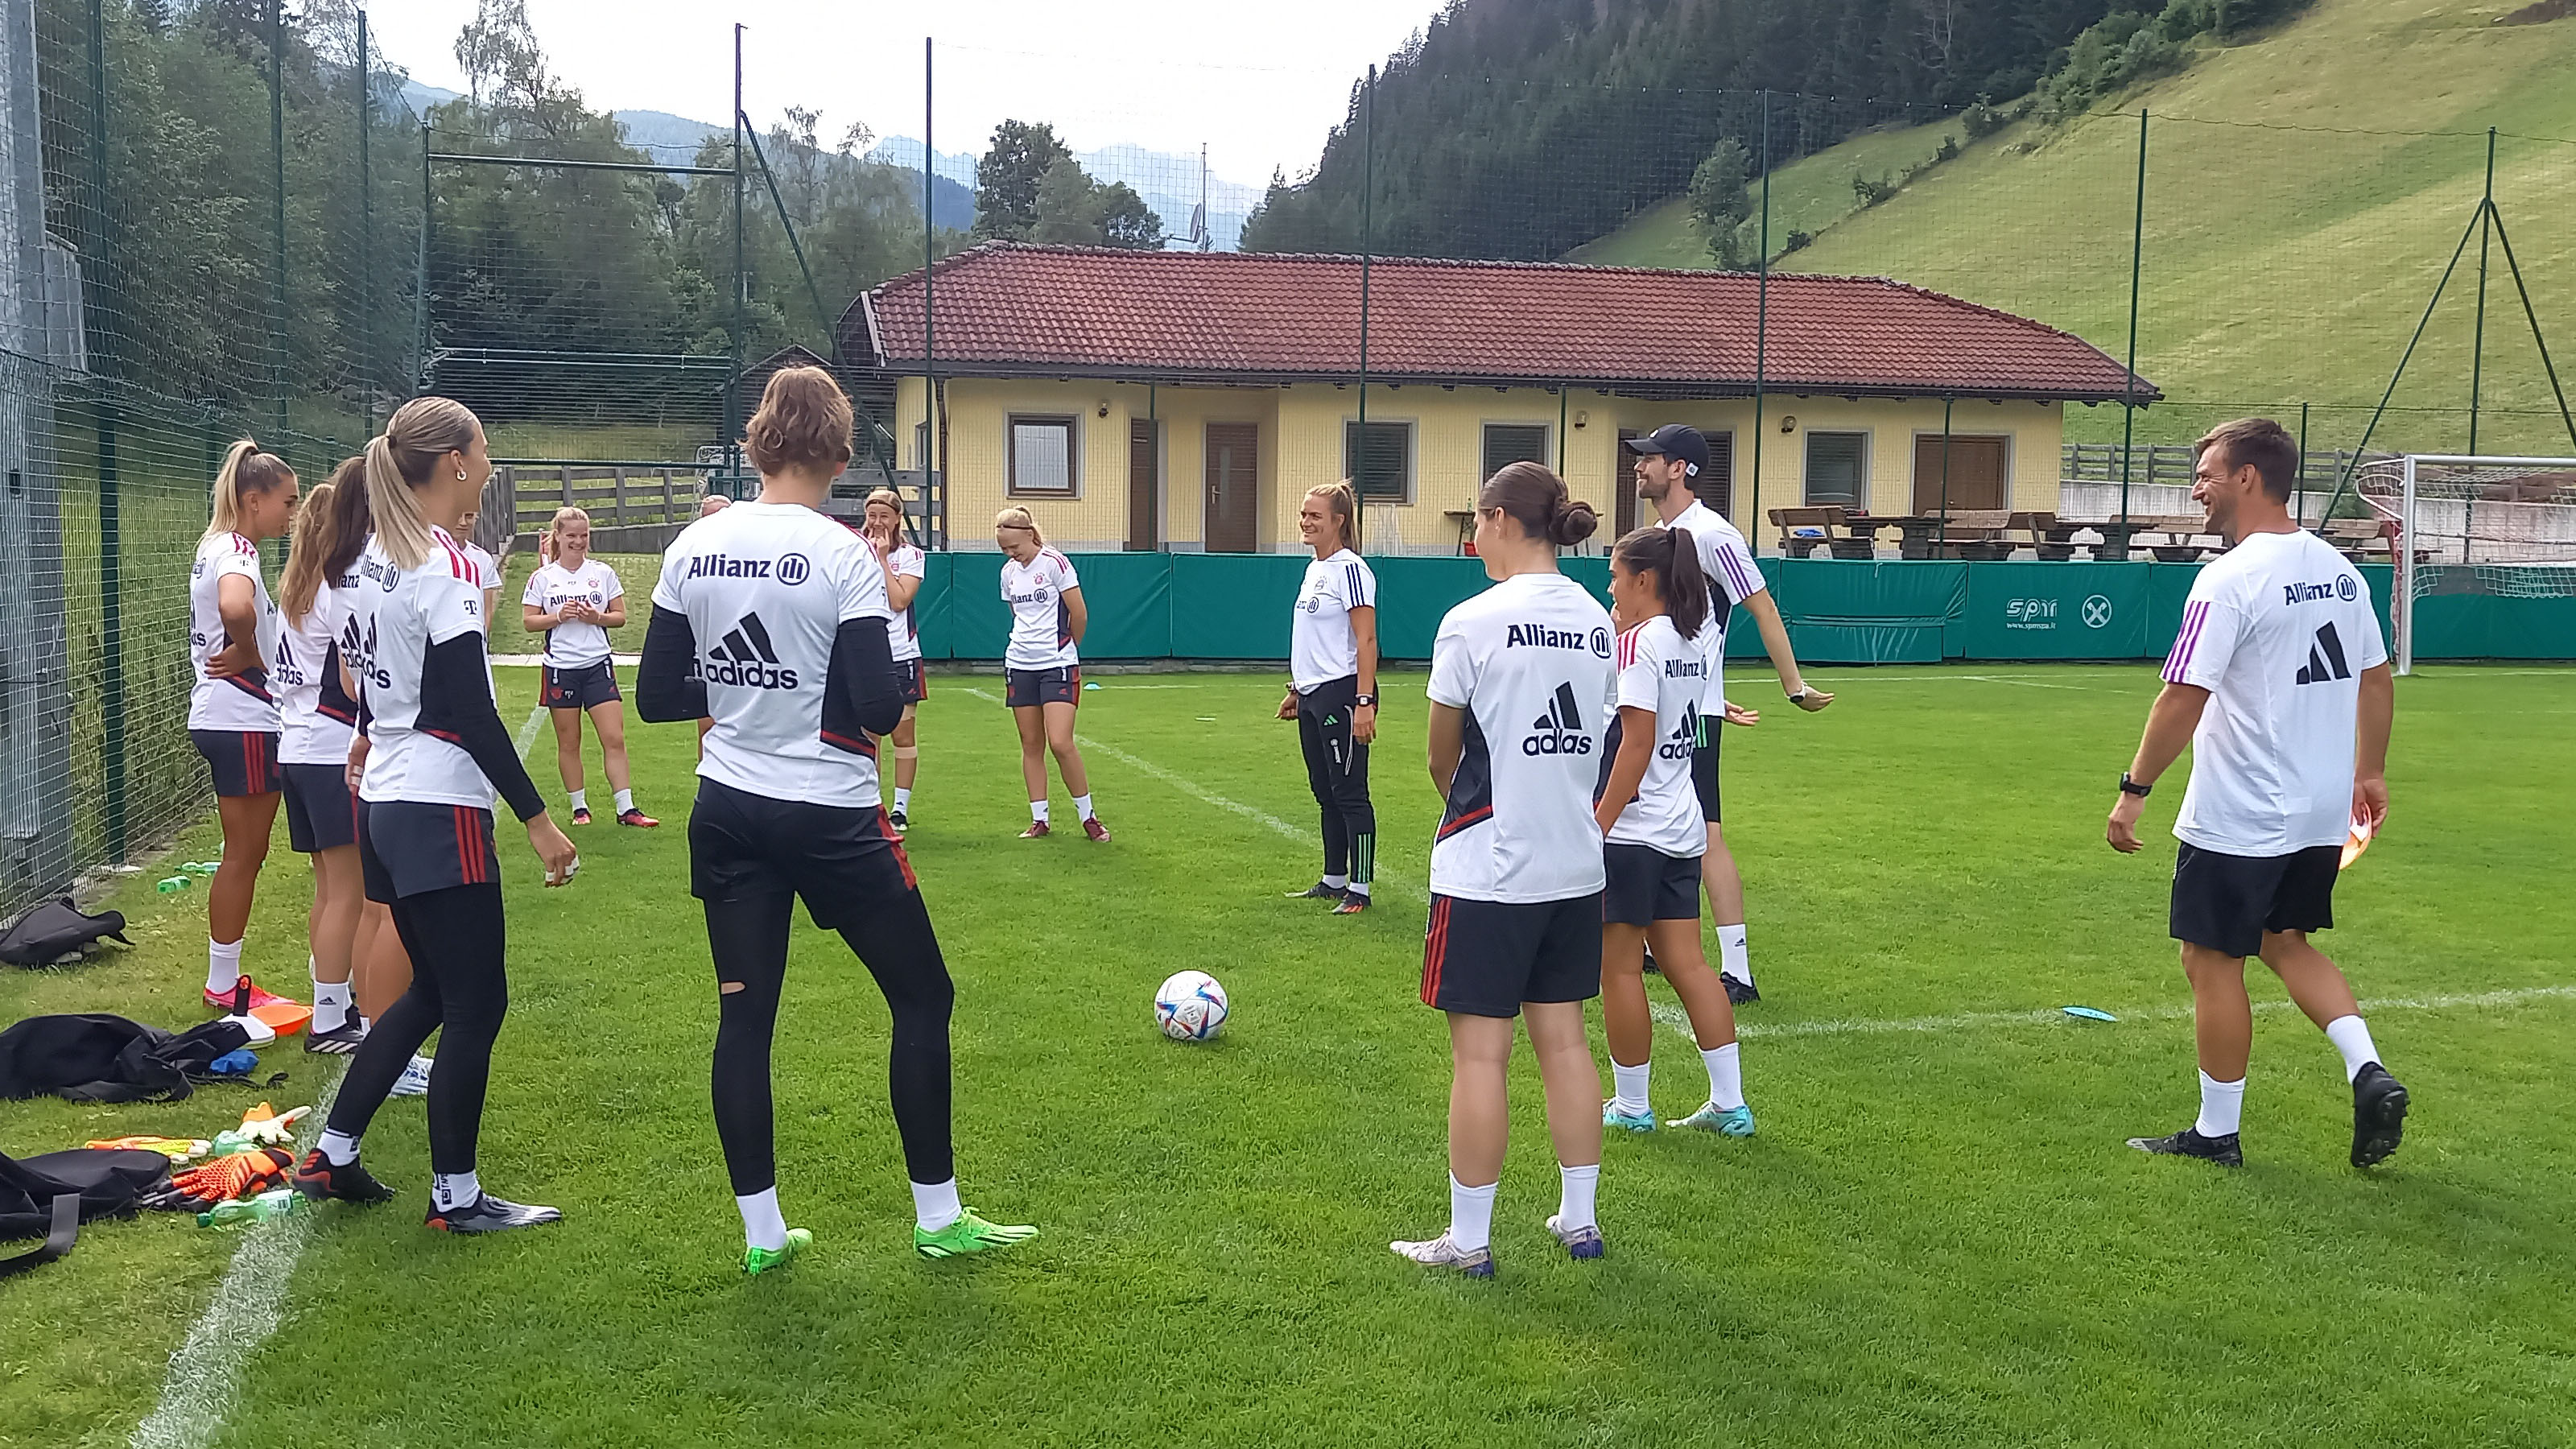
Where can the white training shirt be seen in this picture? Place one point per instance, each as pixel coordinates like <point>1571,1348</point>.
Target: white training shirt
<point>487,570</point>
<point>394,616</point>
<point>2278,629</point>
<point>1727,562</point>
<point>242,702</point>
<point>573,643</point>
<point>1041,625</point>
<point>1530,661</point>
<point>904,561</point>
<point>766,587</point>
<point>1321,644</point>
<point>1661,671</point>
<point>315,716</point>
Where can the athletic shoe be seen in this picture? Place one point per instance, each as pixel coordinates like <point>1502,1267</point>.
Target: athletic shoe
<point>318,1177</point>
<point>1611,1116</point>
<point>2189,1143</point>
<point>414,1081</point>
<point>1724,1121</point>
<point>1650,966</point>
<point>756,1261</point>
<point>899,823</point>
<point>1581,1244</point>
<point>340,1040</point>
<point>1352,903</point>
<point>581,815</point>
<point>1440,1252</point>
<point>1739,993</point>
<point>489,1214</point>
<point>1318,892</point>
<point>1037,831</point>
<point>637,818</point>
<point>2378,1115</point>
<point>1098,832</point>
<point>223,1000</point>
<point>969,1234</point>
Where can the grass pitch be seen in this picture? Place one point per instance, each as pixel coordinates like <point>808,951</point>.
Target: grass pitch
<point>1937,1235</point>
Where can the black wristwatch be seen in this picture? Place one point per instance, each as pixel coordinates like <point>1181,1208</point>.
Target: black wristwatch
<point>2132,787</point>
<point>1364,701</point>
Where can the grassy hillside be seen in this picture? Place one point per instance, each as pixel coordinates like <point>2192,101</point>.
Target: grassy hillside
<point>1808,195</point>
<point>2304,192</point>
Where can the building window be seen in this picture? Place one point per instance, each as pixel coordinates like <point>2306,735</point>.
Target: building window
<point>1508,443</point>
<point>1837,469</point>
<point>1041,457</point>
<point>1386,470</point>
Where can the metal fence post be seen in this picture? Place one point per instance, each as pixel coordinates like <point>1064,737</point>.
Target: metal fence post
<point>101,276</point>
<point>366,234</point>
<point>2129,384</point>
<point>1761,328</point>
<point>277,210</point>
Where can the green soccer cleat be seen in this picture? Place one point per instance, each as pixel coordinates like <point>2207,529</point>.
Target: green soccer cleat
<point>1724,1121</point>
<point>1611,1116</point>
<point>756,1261</point>
<point>969,1234</point>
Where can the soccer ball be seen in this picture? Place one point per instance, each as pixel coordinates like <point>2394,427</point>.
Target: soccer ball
<point>1190,1006</point>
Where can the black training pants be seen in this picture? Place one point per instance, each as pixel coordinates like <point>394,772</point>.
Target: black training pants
<point>1337,771</point>
<point>457,942</point>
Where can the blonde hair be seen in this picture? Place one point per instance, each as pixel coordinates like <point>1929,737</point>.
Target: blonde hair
<point>330,532</point>
<point>804,421</point>
<point>246,470</point>
<point>1344,501</point>
<point>1018,517</point>
<point>563,516</point>
<point>399,461</point>
<point>893,500</point>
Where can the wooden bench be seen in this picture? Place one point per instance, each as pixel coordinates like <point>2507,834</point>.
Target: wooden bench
<point>2358,538</point>
<point>1976,533</point>
<point>1803,530</point>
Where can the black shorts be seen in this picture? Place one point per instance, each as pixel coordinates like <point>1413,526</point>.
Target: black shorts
<point>581,686</point>
<point>2227,902</point>
<point>844,860</point>
<point>916,680</point>
<point>1028,687</point>
<point>406,848</point>
<point>244,761</point>
<point>1704,770</point>
<point>1484,958</point>
<point>320,813</point>
<point>1647,885</point>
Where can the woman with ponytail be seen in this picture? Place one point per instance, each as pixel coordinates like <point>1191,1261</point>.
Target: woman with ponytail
<point>1518,677</point>
<point>232,713</point>
<point>319,718</point>
<point>1042,667</point>
<point>1649,818</point>
<point>904,567</point>
<point>430,751</point>
<point>1332,692</point>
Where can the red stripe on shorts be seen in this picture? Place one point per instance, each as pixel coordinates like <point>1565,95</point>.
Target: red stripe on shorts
<point>1435,947</point>
<point>886,828</point>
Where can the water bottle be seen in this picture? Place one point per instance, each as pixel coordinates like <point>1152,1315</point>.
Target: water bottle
<point>276,1203</point>
<point>172,885</point>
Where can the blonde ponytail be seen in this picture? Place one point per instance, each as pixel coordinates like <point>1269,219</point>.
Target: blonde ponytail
<point>419,433</point>
<point>245,469</point>
<point>1018,517</point>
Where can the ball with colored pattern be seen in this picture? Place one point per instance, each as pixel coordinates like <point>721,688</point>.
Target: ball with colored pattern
<point>1190,1006</point>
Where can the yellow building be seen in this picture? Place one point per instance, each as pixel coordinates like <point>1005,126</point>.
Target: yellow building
<point>1187,400</point>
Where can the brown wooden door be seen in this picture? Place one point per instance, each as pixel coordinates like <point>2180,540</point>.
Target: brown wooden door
<point>1233,487</point>
<point>1144,486</point>
<point>1976,474</point>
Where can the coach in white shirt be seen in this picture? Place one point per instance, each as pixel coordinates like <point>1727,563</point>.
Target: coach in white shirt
<point>2279,682</point>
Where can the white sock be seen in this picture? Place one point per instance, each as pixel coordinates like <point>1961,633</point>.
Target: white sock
<point>1359,888</point>
<point>934,1205</point>
<point>331,1005</point>
<point>1038,811</point>
<point>453,1189</point>
<point>1725,1076</point>
<point>223,965</point>
<point>1471,1214</point>
<point>2222,1105</point>
<point>902,799</point>
<point>1338,882</point>
<point>762,1226</point>
<point>1629,1086</point>
<point>580,799</point>
<point>2352,1038</point>
<point>625,801</point>
<point>338,1148</point>
<point>1575,1187</point>
<point>1081,807</point>
<point>1730,954</point>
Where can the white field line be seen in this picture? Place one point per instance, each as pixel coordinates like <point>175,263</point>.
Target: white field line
<point>205,1374</point>
<point>1673,1016</point>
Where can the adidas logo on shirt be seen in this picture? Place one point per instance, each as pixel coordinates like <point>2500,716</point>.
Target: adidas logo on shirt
<point>1559,730</point>
<point>746,657</point>
<point>2325,658</point>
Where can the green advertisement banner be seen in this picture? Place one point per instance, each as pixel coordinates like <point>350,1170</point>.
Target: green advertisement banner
<point>2056,611</point>
<point>1852,611</point>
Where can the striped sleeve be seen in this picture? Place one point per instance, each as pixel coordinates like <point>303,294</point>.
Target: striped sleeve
<point>1362,590</point>
<point>1639,684</point>
<point>1065,578</point>
<point>1735,573</point>
<point>2204,644</point>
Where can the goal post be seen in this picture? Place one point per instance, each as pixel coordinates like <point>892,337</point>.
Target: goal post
<point>2461,524</point>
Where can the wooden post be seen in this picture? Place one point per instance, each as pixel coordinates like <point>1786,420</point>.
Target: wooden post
<point>565,472</point>
<point>668,502</point>
<point>621,495</point>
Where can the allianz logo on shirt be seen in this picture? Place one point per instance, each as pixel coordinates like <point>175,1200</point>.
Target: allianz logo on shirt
<point>790,569</point>
<point>1559,728</point>
<point>745,656</point>
<point>2342,588</point>
<point>1541,636</point>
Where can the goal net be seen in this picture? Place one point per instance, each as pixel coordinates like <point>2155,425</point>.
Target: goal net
<point>2501,527</point>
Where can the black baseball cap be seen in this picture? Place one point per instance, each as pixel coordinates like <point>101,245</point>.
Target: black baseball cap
<point>1674,441</point>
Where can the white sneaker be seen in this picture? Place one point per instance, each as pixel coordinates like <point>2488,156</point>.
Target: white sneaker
<point>414,1081</point>
<point>1441,1252</point>
<point>1582,1243</point>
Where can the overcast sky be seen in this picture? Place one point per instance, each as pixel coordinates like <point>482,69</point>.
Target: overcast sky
<point>1260,85</point>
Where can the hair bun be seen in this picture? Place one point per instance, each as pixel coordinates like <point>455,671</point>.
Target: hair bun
<point>1577,523</point>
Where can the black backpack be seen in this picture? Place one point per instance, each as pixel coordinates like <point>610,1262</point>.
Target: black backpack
<point>55,930</point>
<point>52,1195</point>
<point>104,1058</point>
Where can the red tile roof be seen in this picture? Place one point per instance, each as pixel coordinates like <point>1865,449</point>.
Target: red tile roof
<point>1013,310</point>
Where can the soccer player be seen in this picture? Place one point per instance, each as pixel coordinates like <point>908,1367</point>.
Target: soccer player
<point>574,600</point>
<point>904,567</point>
<point>1332,692</point>
<point>232,716</point>
<point>1518,677</point>
<point>1043,666</point>
<point>430,751</point>
<point>487,569</point>
<point>1650,821</point>
<point>317,718</point>
<point>1666,462</point>
<point>2279,682</point>
<point>783,613</point>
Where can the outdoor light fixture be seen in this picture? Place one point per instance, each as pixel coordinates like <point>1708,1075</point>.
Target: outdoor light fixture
<point>1788,422</point>
<point>1581,418</point>
<point>1104,407</point>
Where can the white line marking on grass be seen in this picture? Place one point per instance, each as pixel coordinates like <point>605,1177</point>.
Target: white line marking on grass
<point>528,732</point>
<point>1679,1020</point>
